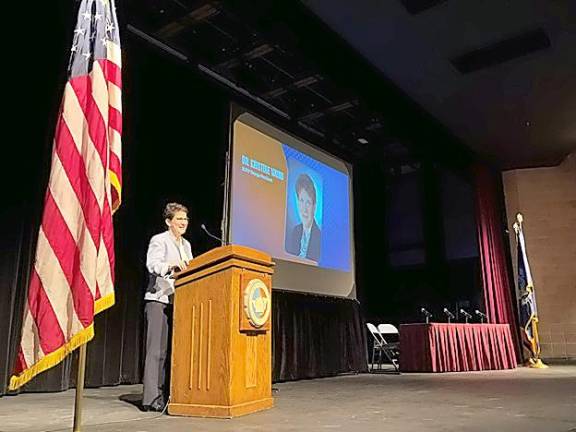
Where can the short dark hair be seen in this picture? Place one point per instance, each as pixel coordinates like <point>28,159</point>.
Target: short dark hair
<point>171,209</point>
<point>305,182</point>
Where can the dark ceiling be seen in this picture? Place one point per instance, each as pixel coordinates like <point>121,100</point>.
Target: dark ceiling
<point>500,74</point>
<point>284,59</point>
<point>394,79</point>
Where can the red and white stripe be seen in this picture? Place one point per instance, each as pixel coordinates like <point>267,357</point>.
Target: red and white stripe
<point>73,274</point>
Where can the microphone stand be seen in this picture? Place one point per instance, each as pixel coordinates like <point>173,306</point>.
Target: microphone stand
<point>449,315</point>
<point>427,314</point>
<point>212,235</point>
<point>466,315</point>
<point>482,316</point>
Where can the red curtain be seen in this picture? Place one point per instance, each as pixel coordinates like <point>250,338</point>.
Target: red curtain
<point>498,298</point>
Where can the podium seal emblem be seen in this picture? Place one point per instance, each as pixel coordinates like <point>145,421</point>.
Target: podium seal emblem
<point>257,305</point>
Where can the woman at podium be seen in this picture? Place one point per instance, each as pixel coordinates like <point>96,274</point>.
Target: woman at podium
<point>167,252</point>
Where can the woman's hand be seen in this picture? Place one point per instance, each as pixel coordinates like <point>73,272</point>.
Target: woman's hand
<point>179,266</point>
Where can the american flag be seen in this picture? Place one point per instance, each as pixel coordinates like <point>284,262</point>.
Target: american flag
<point>73,274</point>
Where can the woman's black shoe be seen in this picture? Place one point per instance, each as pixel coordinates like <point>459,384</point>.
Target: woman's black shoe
<point>154,408</point>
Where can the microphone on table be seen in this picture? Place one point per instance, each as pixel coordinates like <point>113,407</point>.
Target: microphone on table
<point>220,239</point>
<point>449,314</point>
<point>427,314</point>
<point>466,314</point>
<point>481,315</point>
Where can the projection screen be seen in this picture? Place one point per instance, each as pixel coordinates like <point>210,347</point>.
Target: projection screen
<point>294,202</point>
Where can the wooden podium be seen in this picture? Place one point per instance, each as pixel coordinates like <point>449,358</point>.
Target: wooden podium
<point>221,341</point>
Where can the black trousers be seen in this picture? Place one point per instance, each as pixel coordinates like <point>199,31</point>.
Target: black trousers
<point>158,340</point>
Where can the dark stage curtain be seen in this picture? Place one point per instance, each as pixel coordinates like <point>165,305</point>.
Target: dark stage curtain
<point>113,354</point>
<point>316,336</point>
<point>498,297</point>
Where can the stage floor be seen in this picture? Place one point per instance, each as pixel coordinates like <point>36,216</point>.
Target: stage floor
<point>518,400</point>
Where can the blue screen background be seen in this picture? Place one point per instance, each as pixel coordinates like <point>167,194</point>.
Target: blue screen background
<point>332,206</point>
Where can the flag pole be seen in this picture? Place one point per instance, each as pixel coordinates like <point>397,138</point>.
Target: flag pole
<point>534,361</point>
<point>79,388</point>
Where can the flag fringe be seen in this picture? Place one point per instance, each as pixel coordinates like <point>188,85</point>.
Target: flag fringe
<point>53,358</point>
<point>57,356</point>
<point>115,182</point>
<point>104,303</point>
<point>537,364</point>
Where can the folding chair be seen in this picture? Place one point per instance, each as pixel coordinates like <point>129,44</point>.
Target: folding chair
<point>390,349</point>
<point>377,346</point>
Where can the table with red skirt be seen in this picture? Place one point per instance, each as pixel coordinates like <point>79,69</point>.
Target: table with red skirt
<point>443,347</point>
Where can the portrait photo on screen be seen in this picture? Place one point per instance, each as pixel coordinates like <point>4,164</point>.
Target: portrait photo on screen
<point>303,212</point>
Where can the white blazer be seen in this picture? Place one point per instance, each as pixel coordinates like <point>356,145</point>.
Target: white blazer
<point>163,253</point>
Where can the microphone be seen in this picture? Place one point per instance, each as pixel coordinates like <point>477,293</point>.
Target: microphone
<point>211,235</point>
<point>466,314</point>
<point>481,315</point>
<point>427,314</point>
<point>449,314</point>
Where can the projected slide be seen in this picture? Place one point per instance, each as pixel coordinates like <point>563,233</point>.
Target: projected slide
<point>303,211</point>
<point>291,204</point>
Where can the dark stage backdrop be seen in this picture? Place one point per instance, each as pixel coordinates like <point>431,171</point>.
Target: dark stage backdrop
<point>315,336</point>
<point>416,243</point>
<point>175,138</point>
